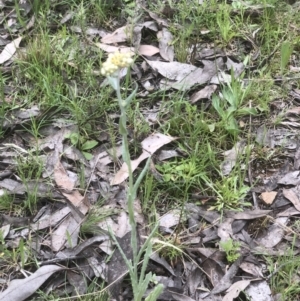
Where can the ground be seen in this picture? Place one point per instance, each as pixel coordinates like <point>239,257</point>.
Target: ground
<point>207,111</point>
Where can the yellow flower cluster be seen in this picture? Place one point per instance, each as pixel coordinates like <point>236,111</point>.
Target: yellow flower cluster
<point>115,61</point>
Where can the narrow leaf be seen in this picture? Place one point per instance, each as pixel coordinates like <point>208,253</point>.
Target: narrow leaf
<point>89,144</point>
<point>21,289</point>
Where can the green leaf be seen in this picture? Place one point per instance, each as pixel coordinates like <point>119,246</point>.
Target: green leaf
<point>74,138</point>
<point>216,104</point>
<point>153,296</point>
<point>212,127</point>
<point>247,111</point>
<point>130,97</point>
<point>89,144</point>
<point>88,156</point>
<point>114,82</point>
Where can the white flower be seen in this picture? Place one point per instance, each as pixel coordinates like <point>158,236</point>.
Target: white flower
<point>116,61</point>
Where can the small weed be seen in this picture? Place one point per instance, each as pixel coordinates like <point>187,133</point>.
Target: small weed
<point>230,105</point>
<point>6,203</point>
<point>230,193</point>
<point>225,24</point>
<point>29,167</point>
<point>170,249</point>
<point>232,249</point>
<point>95,216</point>
<point>285,54</point>
<point>82,144</point>
<point>285,276</point>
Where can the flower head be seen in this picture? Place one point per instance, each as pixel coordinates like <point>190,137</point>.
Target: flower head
<point>116,61</point>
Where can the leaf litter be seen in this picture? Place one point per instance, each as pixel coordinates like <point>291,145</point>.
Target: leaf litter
<point>203,273</point>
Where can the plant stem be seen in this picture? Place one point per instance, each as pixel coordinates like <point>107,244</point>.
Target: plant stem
<point>131,193</point>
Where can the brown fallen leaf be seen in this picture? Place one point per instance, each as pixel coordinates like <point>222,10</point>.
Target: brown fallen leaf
<point>248,214</point>
<point>252,269</point>
<point>294,110</point>
<point>66,187</point>
<point>231,156</point>
<point>147,50</point>
<point>226,280</point>
<point>66,233</point>
<point>75,251</point>
<point>174,70</point>
<point>288,212</point>
<point>204,93</point>
<point>150,145</point>
<point>292,197</point>
<point>291,178</point>
<point>259,290</point>
<point>112,49</point>
<point>50,220</point>
<point>170,219</point>
<point>160,21</point>
<point>268,197</point>
<point>166,48</point>
<point>225,229</point>
<point>9,50</point>
<point>275,233</point>
<point>235,289</point>
<point>20,289</point>
<point>183,76</point>
<point>119,35</point>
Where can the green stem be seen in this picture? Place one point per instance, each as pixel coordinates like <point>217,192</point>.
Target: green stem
<point>131,192</point>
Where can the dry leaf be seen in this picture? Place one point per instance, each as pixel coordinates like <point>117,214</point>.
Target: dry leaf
<point>252,269</point>
<point>259,290</point>
<point>118,36</point>
<point>166,48</point>
<point>155,257</point>
<point>204,93</point>
<point>73,252</point>
<point>9,50</point>
<point>66,185</point>
<point>268,197</point>
<point>225,229</point>
<point>147,50</point>
<point>226,280</point>
<point>150,145</point>
<point>275,233</point>
<point>171,218</point>
<point>66,232</point>
<point>50,220</point>
<point>292,197</point>
<point>230,157</point>
<point>174,70</point>
<point>248,214</point>
<point>291,178</point>
<point>235,289</point>
<point>184,76</point>
<point>20,289</point>
<point>294,110</point>
<point>112,49</point>
<point>288,212</point>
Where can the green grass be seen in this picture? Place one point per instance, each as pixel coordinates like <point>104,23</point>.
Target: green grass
<point>285,273</point>
<point>59,72</point>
